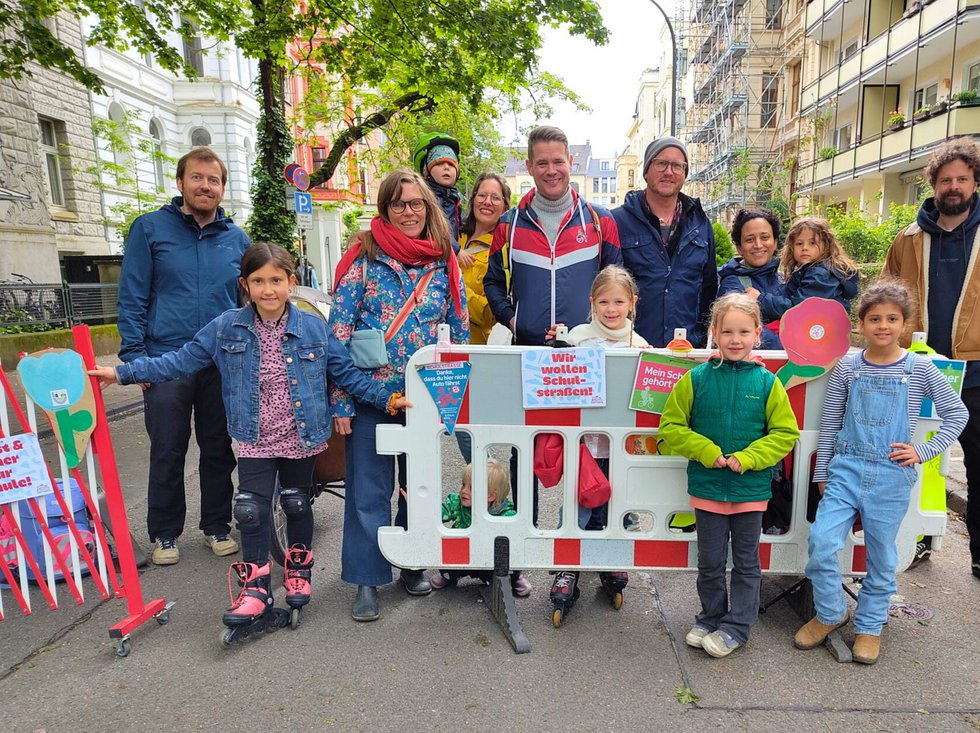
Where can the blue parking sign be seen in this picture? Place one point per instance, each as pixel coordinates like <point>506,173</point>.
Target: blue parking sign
<point>303,202</point>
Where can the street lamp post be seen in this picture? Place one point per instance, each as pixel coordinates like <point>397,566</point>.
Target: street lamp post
<point>673,70</point>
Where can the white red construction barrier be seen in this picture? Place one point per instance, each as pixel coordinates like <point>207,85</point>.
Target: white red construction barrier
<point>41,540</point>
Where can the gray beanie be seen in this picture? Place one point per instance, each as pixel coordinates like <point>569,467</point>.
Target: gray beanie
<point>659,144</point>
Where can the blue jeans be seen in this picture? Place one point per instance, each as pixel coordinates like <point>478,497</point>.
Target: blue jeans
<point>736,613</point>
<point>879,491</point>
<point>370,482</point>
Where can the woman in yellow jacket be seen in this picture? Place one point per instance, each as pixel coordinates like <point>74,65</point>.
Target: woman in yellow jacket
<point>491,198</point>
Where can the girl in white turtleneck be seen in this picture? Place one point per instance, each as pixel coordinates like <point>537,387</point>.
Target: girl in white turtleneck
<point>613,300</point>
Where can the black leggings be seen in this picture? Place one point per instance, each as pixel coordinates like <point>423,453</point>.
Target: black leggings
<point>253,504</point>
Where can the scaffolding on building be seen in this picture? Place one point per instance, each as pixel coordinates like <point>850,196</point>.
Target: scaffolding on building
<point>740,140</point>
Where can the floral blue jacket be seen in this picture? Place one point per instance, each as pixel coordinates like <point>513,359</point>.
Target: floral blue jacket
<point>373,302</point>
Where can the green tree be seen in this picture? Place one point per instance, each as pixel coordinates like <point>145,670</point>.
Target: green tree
<point>414,57</point>
<point>270,220</point>
<point>864,238</point>
<point>724,250</point>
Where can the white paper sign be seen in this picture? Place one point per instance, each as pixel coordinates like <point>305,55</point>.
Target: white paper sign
<point>23,472</point>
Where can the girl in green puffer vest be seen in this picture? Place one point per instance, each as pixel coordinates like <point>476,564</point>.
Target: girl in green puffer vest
<point>732,420</point>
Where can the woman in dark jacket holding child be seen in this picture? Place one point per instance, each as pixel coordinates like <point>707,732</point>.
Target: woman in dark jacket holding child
<point>755,233</point>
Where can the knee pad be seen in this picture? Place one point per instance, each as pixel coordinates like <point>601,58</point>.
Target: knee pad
<point>248,513</point>
<point>295,503</point>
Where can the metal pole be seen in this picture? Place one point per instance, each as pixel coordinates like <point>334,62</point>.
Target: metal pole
<point>673,70</point>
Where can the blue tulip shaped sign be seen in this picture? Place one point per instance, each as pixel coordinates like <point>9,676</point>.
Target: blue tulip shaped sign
<point>57,382</point>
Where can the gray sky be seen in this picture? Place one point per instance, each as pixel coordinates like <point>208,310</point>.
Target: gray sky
<point>606,77</point>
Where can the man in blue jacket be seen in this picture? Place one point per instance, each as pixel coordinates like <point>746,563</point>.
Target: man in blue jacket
<point>548,249</point>
<point>669,247</point>
<point>180,271</point>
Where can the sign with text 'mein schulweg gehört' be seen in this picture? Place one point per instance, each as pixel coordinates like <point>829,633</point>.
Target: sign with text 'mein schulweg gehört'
<point>554,378</point>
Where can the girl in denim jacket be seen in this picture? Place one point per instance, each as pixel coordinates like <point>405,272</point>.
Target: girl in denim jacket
<point>276,364</point>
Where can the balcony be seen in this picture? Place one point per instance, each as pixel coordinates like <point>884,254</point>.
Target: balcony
<point>913,143</point>
<point>913,42</point>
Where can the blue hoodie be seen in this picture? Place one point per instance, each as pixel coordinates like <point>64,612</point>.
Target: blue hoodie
<point>949,258</point>
<point>734,276</point>
<point>812,280</point>
<point>176,278</point>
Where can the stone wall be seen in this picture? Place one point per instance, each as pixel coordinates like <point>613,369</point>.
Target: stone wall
<point>33,231</point>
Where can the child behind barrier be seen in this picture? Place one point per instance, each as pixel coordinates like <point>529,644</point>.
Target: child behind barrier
<point>731,418</point>
<point>457,509</point>
<point>613,299</point>
<point>866,465</point>
<point>280,417</point>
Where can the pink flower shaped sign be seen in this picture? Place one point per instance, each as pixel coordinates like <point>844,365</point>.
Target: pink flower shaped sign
<point>815,335</point>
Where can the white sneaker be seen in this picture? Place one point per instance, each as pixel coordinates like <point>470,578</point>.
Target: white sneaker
<point>695,636</point>
<point>719,644</point>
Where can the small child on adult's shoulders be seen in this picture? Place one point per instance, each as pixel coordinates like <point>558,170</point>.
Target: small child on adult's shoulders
<point>436,158</point>
<point>457,511</point>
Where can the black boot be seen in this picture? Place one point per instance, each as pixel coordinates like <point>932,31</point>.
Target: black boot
<point>366,606</point>
<point>415,583</point>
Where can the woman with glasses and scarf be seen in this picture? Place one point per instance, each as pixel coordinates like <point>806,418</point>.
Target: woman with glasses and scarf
<point>400,279</point>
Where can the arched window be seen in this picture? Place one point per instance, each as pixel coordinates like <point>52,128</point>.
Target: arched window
<point>119,143</point>
<point>200,136</point>
<point>156,153</point>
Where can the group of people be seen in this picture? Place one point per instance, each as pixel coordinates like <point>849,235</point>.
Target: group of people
<point>284,382</point>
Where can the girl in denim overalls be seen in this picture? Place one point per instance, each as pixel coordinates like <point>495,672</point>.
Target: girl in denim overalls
<point>866,465</point>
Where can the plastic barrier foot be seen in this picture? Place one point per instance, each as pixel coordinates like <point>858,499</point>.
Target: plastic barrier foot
<point>837,647</point>
<point>499,598</point>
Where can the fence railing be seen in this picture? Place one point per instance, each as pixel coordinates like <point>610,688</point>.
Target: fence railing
<point>26,307</point>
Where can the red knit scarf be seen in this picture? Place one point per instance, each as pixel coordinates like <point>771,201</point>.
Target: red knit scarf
<point>410,252</point>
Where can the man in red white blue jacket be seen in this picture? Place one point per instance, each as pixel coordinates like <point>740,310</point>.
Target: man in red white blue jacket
<point>548,249</point>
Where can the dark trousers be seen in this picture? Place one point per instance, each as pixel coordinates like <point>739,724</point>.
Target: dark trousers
<point>257,484</point>
<point>970,442</point>
<point>714,531</point>
<point>167,413</point>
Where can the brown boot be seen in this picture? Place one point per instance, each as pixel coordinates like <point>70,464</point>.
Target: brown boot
<point>866,648</point>
<point>813,633</point>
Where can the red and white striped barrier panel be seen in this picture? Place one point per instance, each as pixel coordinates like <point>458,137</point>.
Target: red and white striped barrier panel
<point>71,552</point>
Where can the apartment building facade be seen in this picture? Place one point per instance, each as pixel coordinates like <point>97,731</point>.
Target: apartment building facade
<point>892,80</point>
<point>48,207</point>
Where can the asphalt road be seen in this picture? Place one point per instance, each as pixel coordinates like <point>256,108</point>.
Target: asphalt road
<point>440,663</point>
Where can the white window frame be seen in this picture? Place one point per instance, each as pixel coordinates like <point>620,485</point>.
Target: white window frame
<point>48,143</point>
<point>924,96</point>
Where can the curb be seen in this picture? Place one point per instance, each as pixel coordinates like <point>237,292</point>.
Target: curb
<point>956,497</point>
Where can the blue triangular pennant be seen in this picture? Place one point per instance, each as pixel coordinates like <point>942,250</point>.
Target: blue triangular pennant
<point>446,383</point>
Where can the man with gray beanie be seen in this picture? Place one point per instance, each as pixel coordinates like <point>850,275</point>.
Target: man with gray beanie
<point>669,247</point>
